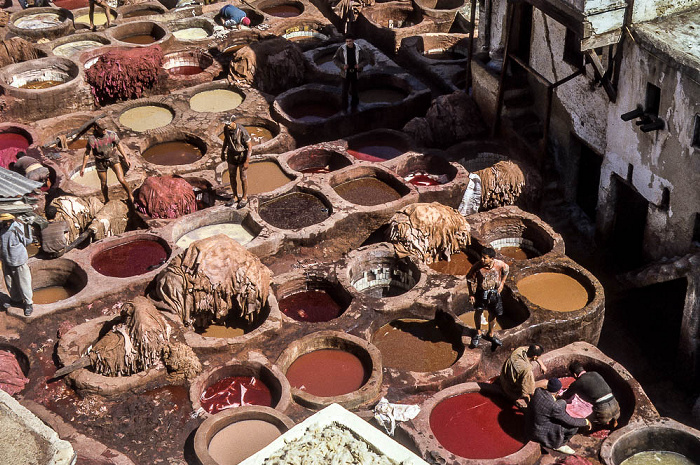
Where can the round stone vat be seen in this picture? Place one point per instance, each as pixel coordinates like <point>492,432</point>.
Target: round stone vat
<point>475,156</point>
<point>262,131</point>
<point>40,23</point>
<point>458,264</point>
<point>515,313</point>
<point>90,177</point>
<point>368,186</point>
<point>312,298</point>
<point>16,366</point>
<point>557,288</point>
<point>192,29</point>
<point>54,281</point>
<point>41,77</point>
<point>309,105</point>
<point>281,9</point>
<point>441,11</point>
<point>216,99</point>
<point>232,436</point>
<point>140,33</point>
<point>661,442</point>
<point>355,363</point>
<point>13,139</point>
<point>234,42</point>
<point>426,171</point>
<point>306,34</point>
<point>70,4</point>
<point>323,59</point>
<point>144,117</point>
<point>81,17</point>
<point>187,63</point>
<point>141,10</point>
<point>237,224</point>
<point>219,388</point>
<point>393,15</point>
<point>379,273</point>
<point>473,424</point>
<point>382,89</point>
<point>182,150</point>
<point>378,145</point>
<point>295,209</point>
<point>129,256</point>
<point>78,43</point>
<point>264,175</point>
<point>312,160</point>
<point>418,345</point>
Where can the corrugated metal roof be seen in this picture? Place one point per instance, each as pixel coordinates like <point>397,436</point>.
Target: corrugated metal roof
<point>15,185</point>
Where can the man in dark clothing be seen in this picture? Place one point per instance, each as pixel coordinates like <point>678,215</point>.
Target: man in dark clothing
<point>486,279</point>
<point>547,421</point>
<point>31,168</point>
<point>236,152</point>
<point>104,146</point>
<point>592,388</point>
<point>350,59</point>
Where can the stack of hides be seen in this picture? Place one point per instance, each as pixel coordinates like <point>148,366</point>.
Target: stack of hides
<point>166,197</point>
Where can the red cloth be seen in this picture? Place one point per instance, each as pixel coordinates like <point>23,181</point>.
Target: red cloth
<point>166,197</point>
<point>12,380</point>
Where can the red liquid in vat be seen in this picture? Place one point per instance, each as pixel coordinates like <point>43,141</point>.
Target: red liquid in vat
<point>235,391</point>
<point>377,152</point>
<point>10,144</point>
<point>476,426</point>
<point>423,180</point>
<point>130,259</point>
<point>185,70</point>
<point>327,373</point>
<point>71,4</point>
<point>311,306</point>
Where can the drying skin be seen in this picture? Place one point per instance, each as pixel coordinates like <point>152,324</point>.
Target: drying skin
<point>110,220</point>
<point>428,232</point>
<point>331,444</point>
<point>166,197</point>
<point>213,279</point>
<point>16,50</point>
<point>77,212</point>
<point>270,65</point>
<point>501,184</point>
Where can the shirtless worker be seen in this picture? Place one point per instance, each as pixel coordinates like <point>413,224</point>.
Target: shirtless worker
<point>104,145</point>
<point>485,280</point>
<point>236,151</point>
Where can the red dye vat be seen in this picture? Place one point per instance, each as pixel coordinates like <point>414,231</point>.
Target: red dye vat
<point>10,144</point>
<point>130,259</point>
<point>310,373</point>
<point>377,152</point>
<point>185,70</point>
<point>317,170</point>
<point>476,426</point>
<point>423,180</point>
<point>71,4</point>
<point>311,306</point>
<point>235,391</point>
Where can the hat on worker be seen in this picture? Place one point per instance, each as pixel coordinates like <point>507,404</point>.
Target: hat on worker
<point>6,217</point>
<point>554,385</point>
<point>245,21</point>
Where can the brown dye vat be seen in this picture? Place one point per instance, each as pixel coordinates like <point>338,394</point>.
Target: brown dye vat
<point>459,264</point>
<point>139,39</point>
<point>185,70</point>
<point>263,176</point>
<point>310,373</point>
<point>172,153</point>
<point>223,331</point>
<point>517,253</point>
<point>554,291</point>
<point>41,84</point>
<point>312,112</point>
<point>259,134</point>
<point>468,320</point>
<point>139,13</point>
<point>130,259</point>
<point>51,294</point>
<point>282,11</point>
<point>416,345</point>
<point>238,441</point>
<point>311,306</point>
<point>367,191</point>
<point>294,211</point>
<point>77,144</point>
<point>382,95</point>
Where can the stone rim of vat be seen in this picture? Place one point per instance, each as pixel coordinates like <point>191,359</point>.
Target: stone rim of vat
<point>125,10</point>
<point>309,157</point>
<point>197,22</point>
<point>158,31</point>
<point>75,342</point>
<point>380,9</point>
<point>215,423</point>
<point>368,354</point>
<point>23,360</point>
<point>441,15</point>
<point>216,85</point>
<point>152,102</point>
<point>417,46</point>
<point>307,232</point>
<point>261,5</point>
<point>295,282</point>
<point>383,174</point>
<point>23,130</point>
<point>666,434</point>
<point>256,365</point>
<point>480,154</point>
<point>423,438</point>
<point>379,79</point>
<point>410,162</point>
<point>51,32</point>
<point>117,241</point>
<point>151,139</point>
<point>403,140</point>
<point>272,321</point>
<point>81,36</point>
<point>307,29</point>
<point>211,216</point>
<point>62,65</point>
<point>198,57</point>
<point>271,125</point>
<point>307,93</point>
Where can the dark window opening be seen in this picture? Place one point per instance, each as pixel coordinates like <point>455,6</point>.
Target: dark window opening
<point>696,132</point>
<point>630,172</point>
<point>653,100</point>
<point>665,199</point>
<point>572,49</point>
<point>627,238</point>
<point>589,165</point>
<point>696,230</point>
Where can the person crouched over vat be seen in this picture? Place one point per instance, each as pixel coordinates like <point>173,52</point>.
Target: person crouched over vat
<point>592,388</point>
<point>517,378</point>
<point>547,421</point>
<point>232,16</point>
<point>31,168</point>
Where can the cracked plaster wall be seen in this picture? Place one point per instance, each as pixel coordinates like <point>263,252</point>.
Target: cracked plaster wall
<point>645,10</point>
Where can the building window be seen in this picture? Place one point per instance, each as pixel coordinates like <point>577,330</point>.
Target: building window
<point>572,49</point>
<point>696,132</point>
<point>653,100</point>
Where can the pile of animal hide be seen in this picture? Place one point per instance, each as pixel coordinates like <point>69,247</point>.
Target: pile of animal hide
<point>76,212</point>
<point>166,197</point>
<point>342,7</point>
<point>16,50</point>
<point>12,380</point>
<point>110,220</point>
<point>428,232</point>
<point>272,65</point>
<point>501,184</point>
<point>124,73</point>
<point>214,279</point>
<point>139,342</point>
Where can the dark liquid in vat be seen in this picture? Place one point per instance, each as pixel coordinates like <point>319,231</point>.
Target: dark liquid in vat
<point>367,191</point>
<point>327,373</point>
<point>311,306</point>
<point>476,426</point>
<point>375,151</point>
<point>139,39</point>
<point>459,264</point>
<point>130,259</point>
<point>293,211</point>
<point>172,153</point>
<point>381,95</point>
<point>517,253</point>
<point>445,55</point>
<point>283,11</point>
<point>185,70</point>
<point>312,112</point>
<point>235,391</point>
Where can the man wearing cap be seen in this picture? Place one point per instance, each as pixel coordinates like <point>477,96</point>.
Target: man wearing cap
<point>233,16</point>
<point>547,421</point>
<point>236,152</point>
<point>350,58</point>
<point>13,251</point>
<point>592,388</point>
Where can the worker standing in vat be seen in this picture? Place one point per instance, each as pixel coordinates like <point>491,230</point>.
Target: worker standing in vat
<point>517,378</point>
<point>236,152</point>
<point>351,59</point>
<point>592,388</point>
<point>104,145</point>
<point>232,16</point>
<point>13,248</point>
<point>485,280</point>
<point>547,421</point>
<point>108,12</point>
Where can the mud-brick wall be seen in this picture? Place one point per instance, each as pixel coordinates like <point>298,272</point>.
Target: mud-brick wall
<point>664,159</point>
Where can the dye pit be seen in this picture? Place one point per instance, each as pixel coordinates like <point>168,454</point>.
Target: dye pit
<point>367,191</point>
<point>235,391</point>
<point>311,306</point>
<point>554,291</point>
<point>172,153</point>
<point>239,440</point>
<point>215,101</point>
<point>348,373</point>
<point>294,211</point>
<point>237,232</point>
<point>263,176</point>
<point>132,258</point>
